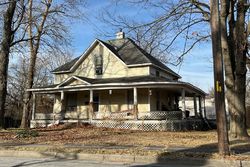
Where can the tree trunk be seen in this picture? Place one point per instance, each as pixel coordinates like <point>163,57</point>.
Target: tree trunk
<point>34,47</point>
<point>240,70</point>
<point>27,94</point>
<point>223,143</point>
<point>233,45</point>
<point>227,53</point>
<point>4,56</point>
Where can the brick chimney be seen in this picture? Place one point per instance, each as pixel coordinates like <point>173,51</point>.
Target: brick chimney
<point>120,34</point>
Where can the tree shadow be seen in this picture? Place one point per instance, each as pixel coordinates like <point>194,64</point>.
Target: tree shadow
<point>200,155</point>
<point>62,157</point>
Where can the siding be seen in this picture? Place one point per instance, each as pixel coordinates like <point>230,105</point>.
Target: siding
<point>113,67</point>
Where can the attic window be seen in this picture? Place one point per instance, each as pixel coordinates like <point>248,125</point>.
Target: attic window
<point>98,64</point>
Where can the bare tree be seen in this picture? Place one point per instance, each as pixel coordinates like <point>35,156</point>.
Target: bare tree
<point>7,38</point>
<point>47,31</point>
<point>174,21</point>
<point>182,21</point>
<point>17,76</point>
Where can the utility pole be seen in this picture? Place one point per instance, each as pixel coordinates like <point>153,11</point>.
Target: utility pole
<point>223,142</point>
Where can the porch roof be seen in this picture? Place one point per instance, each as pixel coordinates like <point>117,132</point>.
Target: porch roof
<point>121,83</point>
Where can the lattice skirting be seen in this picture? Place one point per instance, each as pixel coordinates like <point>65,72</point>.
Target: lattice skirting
<point>160,115</point>
<point>151,125</point>
<point>146,125</point>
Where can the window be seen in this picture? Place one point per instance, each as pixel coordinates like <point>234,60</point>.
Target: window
<point>71,103</point>
<point>158,101</point>
<point>130,99</point>
<point>157,73</point>
<point>98,64</point>
<point>96,102</point>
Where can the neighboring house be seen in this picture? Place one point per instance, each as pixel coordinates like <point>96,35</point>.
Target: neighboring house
<point>116,83</point>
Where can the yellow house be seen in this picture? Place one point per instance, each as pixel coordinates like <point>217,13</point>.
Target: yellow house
<point>117,80</point>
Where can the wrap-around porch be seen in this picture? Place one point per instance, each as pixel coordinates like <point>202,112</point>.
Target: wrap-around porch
<point>152,103</point>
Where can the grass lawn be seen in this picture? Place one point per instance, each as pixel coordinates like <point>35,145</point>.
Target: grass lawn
<point>66,134</point>
<point>62,135</point>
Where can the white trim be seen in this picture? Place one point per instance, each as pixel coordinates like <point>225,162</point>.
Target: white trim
<point>71,78</point>
<point>122,86</point>
<point>138,65</point>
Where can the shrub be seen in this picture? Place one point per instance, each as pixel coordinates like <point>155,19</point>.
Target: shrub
<point>26,133</point>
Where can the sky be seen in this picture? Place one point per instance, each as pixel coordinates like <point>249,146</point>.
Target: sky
<point>196,67</point>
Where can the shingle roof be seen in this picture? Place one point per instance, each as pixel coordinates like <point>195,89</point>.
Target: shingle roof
<point>125,79</point>
<point>128,51</point>
<point>132,54</point>
<point>66,66</point>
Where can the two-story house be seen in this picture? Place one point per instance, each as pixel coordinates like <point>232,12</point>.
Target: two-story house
<point>117,80</point>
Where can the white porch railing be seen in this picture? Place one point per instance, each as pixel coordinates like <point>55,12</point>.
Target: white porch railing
<point>152,115</point>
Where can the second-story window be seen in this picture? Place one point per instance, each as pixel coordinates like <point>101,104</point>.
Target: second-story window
<point>98,64</point>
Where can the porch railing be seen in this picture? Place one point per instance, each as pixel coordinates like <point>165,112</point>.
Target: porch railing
<point>152,115</point>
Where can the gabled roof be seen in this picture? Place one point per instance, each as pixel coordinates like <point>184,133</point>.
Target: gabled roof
<point>124,49</point>
<point>132,54</point>
<point>66,66</point>
<point>72,78</point>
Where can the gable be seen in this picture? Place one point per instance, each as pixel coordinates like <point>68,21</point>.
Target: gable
<point>112,66</point>
<point>73,80</point>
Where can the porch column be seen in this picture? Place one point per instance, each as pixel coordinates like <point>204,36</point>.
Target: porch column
<point>33,106</point>
<point>204,107</point>
<point>200,107</point>
<point>183,104</point>
<point>62,101</point>
<point>195,106</point>
<point>91,108</point>
<point>135,104</point>
<point>149,99</point>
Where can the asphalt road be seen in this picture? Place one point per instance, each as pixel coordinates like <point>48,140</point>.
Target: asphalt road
<point>51,162</point>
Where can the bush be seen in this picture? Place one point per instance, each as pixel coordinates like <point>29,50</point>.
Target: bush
<point>26,133</point>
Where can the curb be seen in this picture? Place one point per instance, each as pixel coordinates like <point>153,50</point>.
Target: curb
<point>124,158</point>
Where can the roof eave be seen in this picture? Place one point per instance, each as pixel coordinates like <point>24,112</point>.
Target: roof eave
<point>108,85</point>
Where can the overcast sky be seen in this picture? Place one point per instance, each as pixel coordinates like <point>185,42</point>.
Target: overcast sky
<point>197,65</point>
